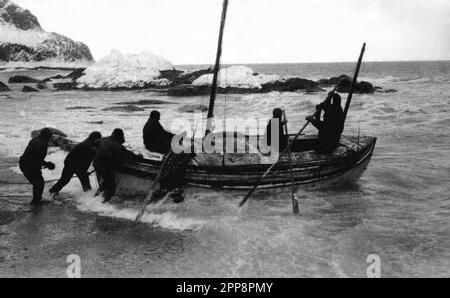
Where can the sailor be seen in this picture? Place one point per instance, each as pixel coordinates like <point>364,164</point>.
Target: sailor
<point>279,130</point>
<point>108,158</point>
<point>33,160</point>
<point>78,162</point>
<point>332,125</point>
<point>156,139</point>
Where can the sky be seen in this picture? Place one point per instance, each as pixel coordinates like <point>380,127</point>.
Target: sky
<point>257,31</point>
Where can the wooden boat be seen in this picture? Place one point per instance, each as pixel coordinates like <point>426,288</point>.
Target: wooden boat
<point>311,170</point>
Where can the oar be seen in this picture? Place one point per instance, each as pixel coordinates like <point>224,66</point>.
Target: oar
<point>294,198</point>
<point>258,182</point>
<point>148,199</point>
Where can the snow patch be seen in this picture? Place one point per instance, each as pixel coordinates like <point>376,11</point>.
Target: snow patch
<point>237,77</point>
<point>119,70</point>
<point>30,38</point>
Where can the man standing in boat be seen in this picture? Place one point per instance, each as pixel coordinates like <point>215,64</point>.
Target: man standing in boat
<point>275,135</point>
<point>156,138</point>
<point>332,125</point>
<point>78,162</point>
<point>33,160</point>
<point>109,157</point>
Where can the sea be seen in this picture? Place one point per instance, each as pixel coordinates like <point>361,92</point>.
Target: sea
<point>399,211</point>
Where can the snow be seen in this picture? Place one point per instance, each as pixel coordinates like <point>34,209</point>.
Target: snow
<point>30,38</point>
<point>50,63</point>
<point>119,70</point>
<point>237,77</point>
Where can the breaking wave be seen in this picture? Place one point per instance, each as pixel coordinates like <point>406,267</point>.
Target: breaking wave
<point>165,220</point>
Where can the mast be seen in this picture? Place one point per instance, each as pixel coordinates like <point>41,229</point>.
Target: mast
<point>212,99</point>
<point>355,79</point>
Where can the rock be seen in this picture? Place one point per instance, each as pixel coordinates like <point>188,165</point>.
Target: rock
<point>19,79</point>
<point>345,83</point>
<point>291,85</point>
<point>125,108</point>
<point>80,108</point>
<point>187,90</point>
<point>3,87</point>
<point>364,87</point>
<point>144,102</point>
<point>193,108</point>
<point>65,86</point>
<point>17,16</point>
<point>381,90</point>
<point>24,40</point>
<point>29,89</point>
<point>171,75</point>
<point>334,81</point>
<point>187,78</point>
<point>41,86</point>
<point>76,74</point>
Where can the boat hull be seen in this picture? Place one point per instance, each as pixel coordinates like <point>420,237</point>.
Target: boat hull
<point>311,171</point>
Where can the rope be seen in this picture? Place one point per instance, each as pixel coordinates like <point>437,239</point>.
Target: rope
<point>47,181</point>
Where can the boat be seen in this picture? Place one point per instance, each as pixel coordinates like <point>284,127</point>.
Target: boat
<point>310,169</point>
<point>298,167</point>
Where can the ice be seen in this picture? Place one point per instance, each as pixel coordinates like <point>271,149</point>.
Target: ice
<point>238,77</point>
<point>118,70</point>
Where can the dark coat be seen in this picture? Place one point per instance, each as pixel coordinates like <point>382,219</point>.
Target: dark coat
<point>283,141</point>
<point>35,153</point>
<point>156,138</point>
<point>112,153</point>
<point>330,129</point>
<point>81,156</point>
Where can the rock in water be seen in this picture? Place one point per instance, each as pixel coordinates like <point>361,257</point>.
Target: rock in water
<point>22,80</point>
<point>3,87</point>
<point>41,86</point>
<point>29,89</point>
<point>125,108</point>
<point>24,40</point>
<point>193,108</point>
<point>187,90</point>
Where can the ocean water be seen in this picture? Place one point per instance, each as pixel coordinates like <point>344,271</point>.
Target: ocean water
<point>399,210</point>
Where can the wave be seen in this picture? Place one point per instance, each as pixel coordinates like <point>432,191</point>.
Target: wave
<point>166,220</point>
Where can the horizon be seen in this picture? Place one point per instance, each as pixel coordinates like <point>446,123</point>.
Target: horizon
<point>257,32</point>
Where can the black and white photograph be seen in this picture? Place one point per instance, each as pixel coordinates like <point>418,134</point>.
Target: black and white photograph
<point>224,139</point>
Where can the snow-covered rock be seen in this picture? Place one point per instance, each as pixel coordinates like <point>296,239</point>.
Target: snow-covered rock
<point>237,77</point>
<point>23,41</point>
<point>118,70</point>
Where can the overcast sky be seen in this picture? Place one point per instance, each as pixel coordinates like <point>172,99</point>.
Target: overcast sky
<point>257,31</point>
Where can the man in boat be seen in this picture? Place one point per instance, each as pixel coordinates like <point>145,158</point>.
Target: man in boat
<point>107,160</point>
<point>33,160</point>
<point>156,138</point>
<point>280,132</point>
<point>78,162</point>
<point>332,125</point>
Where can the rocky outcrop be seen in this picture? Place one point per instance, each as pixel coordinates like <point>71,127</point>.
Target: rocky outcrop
<point>124,108</point>
<point>3,87</point>
<point>344,83</point>
<point>22,39</point>
<point>192,108</point>
<point>19,79</point>
<point>291,85</point>
<point>28,89</point>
